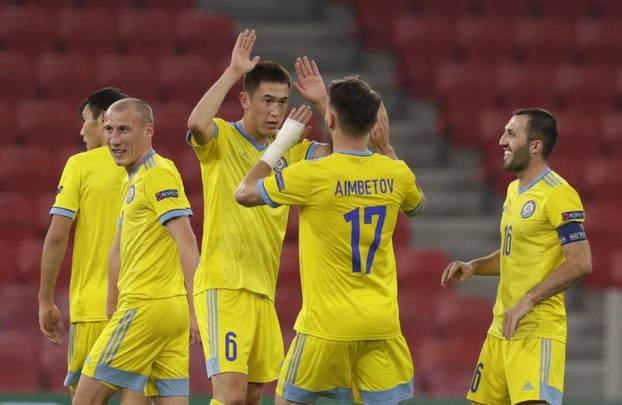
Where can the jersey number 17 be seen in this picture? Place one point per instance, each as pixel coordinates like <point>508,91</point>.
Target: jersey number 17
<point>354,217</point>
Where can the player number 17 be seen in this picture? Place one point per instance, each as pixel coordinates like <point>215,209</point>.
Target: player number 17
<point>354,217</point>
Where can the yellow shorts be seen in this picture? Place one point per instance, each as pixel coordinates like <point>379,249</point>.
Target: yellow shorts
<point>240,333</point>
<point>145,341</point>
<point>373,372</point>
<point>82,337</point>
<point>514,371</point>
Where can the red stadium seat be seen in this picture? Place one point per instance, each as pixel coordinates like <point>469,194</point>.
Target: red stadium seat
<point>507,9</point>
<point>174,6</point>
<point>27,170</point>
<point>545,41</point>
<point>171,125</point>
<point>199,383</point>
<point>48,123</point>
<point>570,165</point>
<point>19,308</point>
<point>50,5</point>
<point>134,74</point>
<point>7,124</point>
<point>599,42</point>
<point>138,35</point>
<point>29,260</point>
<point>67,77</point>
<point>194,27</point>
<point>615,260</point>
<point>27,30</point>
<point>401,234</point>
<point>418,307</point>
<point>602,180</point>
<point>492,125</point>
<point>446,8</point>
<point>293,222</point>
<point>21,351</point>
<point>488,39</point>
<point>585,88</point>
<point>564,9</point>
<point>612,131</point>
<point>420,267</point>
<point>110,5</point>
<point>412,34</point>
<point>579,134</point>
<point>76,33</point>
<point>16,220</point>
<point>231,110</point>
<point>186,78</point>
<point>188,165</point>
<point>54,365</point>
<point>609,9</point>
<point>17,77</point>
<point>466,316</point>
<point>8,275</point>
<point>529,85</point>
<point>289,272</point>
<point>373,30</point>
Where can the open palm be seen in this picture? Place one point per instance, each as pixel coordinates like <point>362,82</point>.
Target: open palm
<point>241,61</point>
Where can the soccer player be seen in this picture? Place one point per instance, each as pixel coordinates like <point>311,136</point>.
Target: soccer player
<point>543,251</point>
<point>153,257</point>
<point>89,194</point>
<point>236,278</point>
<point>349,339</point>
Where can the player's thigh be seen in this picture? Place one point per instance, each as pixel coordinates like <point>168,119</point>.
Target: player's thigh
<point>266,356</point>
<point>535,370</point>
<point>92,392</point>
<point>82,337</point>
<point>489,384</point>
<point>227,322</point>
<point>315,367</point>
<point>383,372</point>
<point>230,388</point>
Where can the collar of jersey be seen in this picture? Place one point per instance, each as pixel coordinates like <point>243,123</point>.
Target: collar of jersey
<point>546,171</point>
<point>257,146</point>
<point>142,162</point>
<point>355,152</point>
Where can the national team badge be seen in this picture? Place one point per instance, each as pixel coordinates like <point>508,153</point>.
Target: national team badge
<point>130,194</point>
<point>280,165</point>
<point>528,209</point>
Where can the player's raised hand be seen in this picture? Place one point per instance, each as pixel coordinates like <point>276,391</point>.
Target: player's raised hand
<point>310,84</point>
<point>456,270</point>
<point>51,323</point>
<point>301,114</point>
<point>379,136</point>
<point>241,62</point>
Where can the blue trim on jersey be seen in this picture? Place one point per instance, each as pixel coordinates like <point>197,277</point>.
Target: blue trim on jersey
<point>124,379</point>
<point>293,393</point>
<point>72,378</point>
<point>415,210</point>
<point>311,151</point>
<point>264,194</point>
<point>355,152</point>
<point>173,387</point>
<point>257,146</point>
<point>176,213</point>
<point>63,212</point>
<point>391,396</point>
<point>571,232</point>
<point>533,183</point>
<point>550,394</point>
<point>150,154</point>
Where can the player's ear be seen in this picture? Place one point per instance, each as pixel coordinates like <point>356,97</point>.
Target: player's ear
<point>244,100</point>
<point>330,119</point>
<point>535,148</point>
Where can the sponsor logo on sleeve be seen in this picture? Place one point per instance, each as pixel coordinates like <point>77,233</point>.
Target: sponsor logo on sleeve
<point>572,215</point>
<point>166,194</point>
<point>528,209</point>
<point>59,189</point>
<point>279,181</point>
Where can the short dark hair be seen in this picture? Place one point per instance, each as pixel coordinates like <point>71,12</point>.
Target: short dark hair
<point>100,100</point>
<point>265,71</point>
<point>542,126</point>
<point>356,104</point>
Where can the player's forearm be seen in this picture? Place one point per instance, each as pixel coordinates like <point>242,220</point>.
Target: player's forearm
<point>487,265</point>
<point>52,257</point>
<point>247,193</point>
<point>208,106</point>
<point>114,266</point>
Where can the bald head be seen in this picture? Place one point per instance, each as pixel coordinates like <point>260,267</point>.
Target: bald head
<point>142,108</point>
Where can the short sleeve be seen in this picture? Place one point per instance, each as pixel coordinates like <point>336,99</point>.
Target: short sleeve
<point>563,205</point>
<point>411,204</point>
<point>302,151</point>
<point>68,192</point>
<point>288,187</point>
<point>165,190</point>
<point>211,149</point>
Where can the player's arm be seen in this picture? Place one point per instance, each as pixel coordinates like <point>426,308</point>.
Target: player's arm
<point>482,266</point>
<point>180,230</point>
<point>200,122</point>
<point>54,248</point>
<point>248,192</point>
<point>577,265</point>
<point>114,266</point>
<point>310,84</point>
<point>379,135</point>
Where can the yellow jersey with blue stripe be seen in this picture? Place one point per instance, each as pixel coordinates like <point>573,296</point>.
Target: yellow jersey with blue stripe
<point>89,192</point>
<point>538,219</point>
<point>349,202</point>
<point>241,247</point>
<point>150,267</point>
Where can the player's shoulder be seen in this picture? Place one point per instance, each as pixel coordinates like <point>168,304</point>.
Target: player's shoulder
<point>158,164</point>
<point>556,185</point>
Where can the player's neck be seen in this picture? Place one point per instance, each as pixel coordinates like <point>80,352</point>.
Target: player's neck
<point>132,168</point>
<point>250,131</point>
<point>347,143</point>
<point>535,169</point>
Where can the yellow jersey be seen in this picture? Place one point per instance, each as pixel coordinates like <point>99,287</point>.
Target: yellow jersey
<point>349,202</point>
<point>150,266</point>
<point>89,192</point>
<point>532,224</point>
<point>241,247</point>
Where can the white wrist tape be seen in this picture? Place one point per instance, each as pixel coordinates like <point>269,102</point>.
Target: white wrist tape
<point>288,136</point>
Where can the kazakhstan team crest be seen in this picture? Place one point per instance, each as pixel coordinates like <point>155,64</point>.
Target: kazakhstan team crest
<point>130,194</point>
<point>528,209</point>
<point>280,165</point>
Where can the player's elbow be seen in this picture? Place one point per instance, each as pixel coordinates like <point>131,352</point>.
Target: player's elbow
<point>243,195</point>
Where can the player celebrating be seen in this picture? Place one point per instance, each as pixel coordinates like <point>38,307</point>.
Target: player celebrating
<point>89,194</point>
<point>236,279</point>
<point>348,330</point>
<point>543,251</point>
<point>153,257</point>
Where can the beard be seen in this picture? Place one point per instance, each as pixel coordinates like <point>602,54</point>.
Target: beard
<point>519,160</point>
